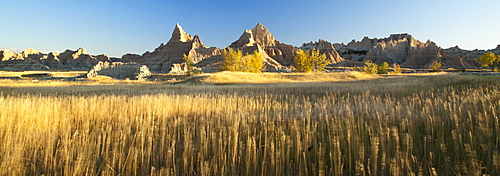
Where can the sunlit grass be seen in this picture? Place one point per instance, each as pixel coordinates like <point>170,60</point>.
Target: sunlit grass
<point>402,125</point>
<point>271,78</point>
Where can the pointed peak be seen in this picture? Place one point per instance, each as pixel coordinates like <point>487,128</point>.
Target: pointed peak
<point>246,39</point>
<point>260,26</point>
<point>81,51</point>
<point>178,27</point>
<point>179,35</point>
<point>262,36</point>
<point>197,42</point>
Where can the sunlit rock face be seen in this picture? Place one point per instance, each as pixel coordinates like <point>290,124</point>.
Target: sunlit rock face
<point>276,54</point>
<point>180,44</point>
<point>326,48</point>
<point>119,70</point>
<point>31,59</point>
<point>402,49</point>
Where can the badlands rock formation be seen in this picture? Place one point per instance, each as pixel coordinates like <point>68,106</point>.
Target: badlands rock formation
<point>119,70</point>
<point>401,49</point>
<point>397,48</point>
<point>259,38</point>
<point>31,59</point>
<point>180,44</point>
<point>326,48</point>
<point>470,56</point>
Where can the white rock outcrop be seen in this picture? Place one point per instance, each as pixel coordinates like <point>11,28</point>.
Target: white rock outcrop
<point>119,70</point>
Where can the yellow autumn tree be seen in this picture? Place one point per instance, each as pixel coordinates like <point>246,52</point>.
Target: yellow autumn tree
<point>309,60</point>
<point>234,60</point>
<point>489,60</point>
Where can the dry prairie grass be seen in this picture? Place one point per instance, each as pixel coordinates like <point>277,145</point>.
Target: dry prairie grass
<point>409,125</point>
<point>272,78</point>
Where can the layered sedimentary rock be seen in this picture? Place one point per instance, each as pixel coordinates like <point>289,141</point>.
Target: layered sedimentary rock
<point>6,55</point>
<point>364,45</point>
<point>326,48</point>
<point>397,48</point>
<point>31,59</point>
<point>77,60</point>
<point>401,49</point>
<point>260,39</point>
<point>470,56</point>
<point>356,50</point>
<point>119,70</point>
<point>180,44</point>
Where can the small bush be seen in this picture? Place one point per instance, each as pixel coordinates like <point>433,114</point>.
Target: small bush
<point>436,65</point>
<point>370,67</point>
<point>192,69</point>
<point>383,68</point>
<point>397,68</point>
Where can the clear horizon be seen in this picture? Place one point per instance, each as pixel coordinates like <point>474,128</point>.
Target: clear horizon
<point>118,27</point>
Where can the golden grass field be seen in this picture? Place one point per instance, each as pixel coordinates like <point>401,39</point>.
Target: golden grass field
<point>254,124</point>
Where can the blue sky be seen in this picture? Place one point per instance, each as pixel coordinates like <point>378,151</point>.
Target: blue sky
<point>118,27</point>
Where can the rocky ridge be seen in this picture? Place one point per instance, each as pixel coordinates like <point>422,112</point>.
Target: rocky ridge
<point>180,44</point>
<point>402,49</point>
<point>470,56</point>
<point>326,48</point>
<point>31,59</point>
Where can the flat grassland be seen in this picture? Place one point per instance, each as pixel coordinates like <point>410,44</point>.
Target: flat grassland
<point>253,124</point>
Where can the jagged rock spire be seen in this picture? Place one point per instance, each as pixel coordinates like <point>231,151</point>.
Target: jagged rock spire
<point>179,35</point>
<point>262,36</point>
<point>246,39</point>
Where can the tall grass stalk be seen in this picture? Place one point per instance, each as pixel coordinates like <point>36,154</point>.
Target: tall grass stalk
<point>447,132</point>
